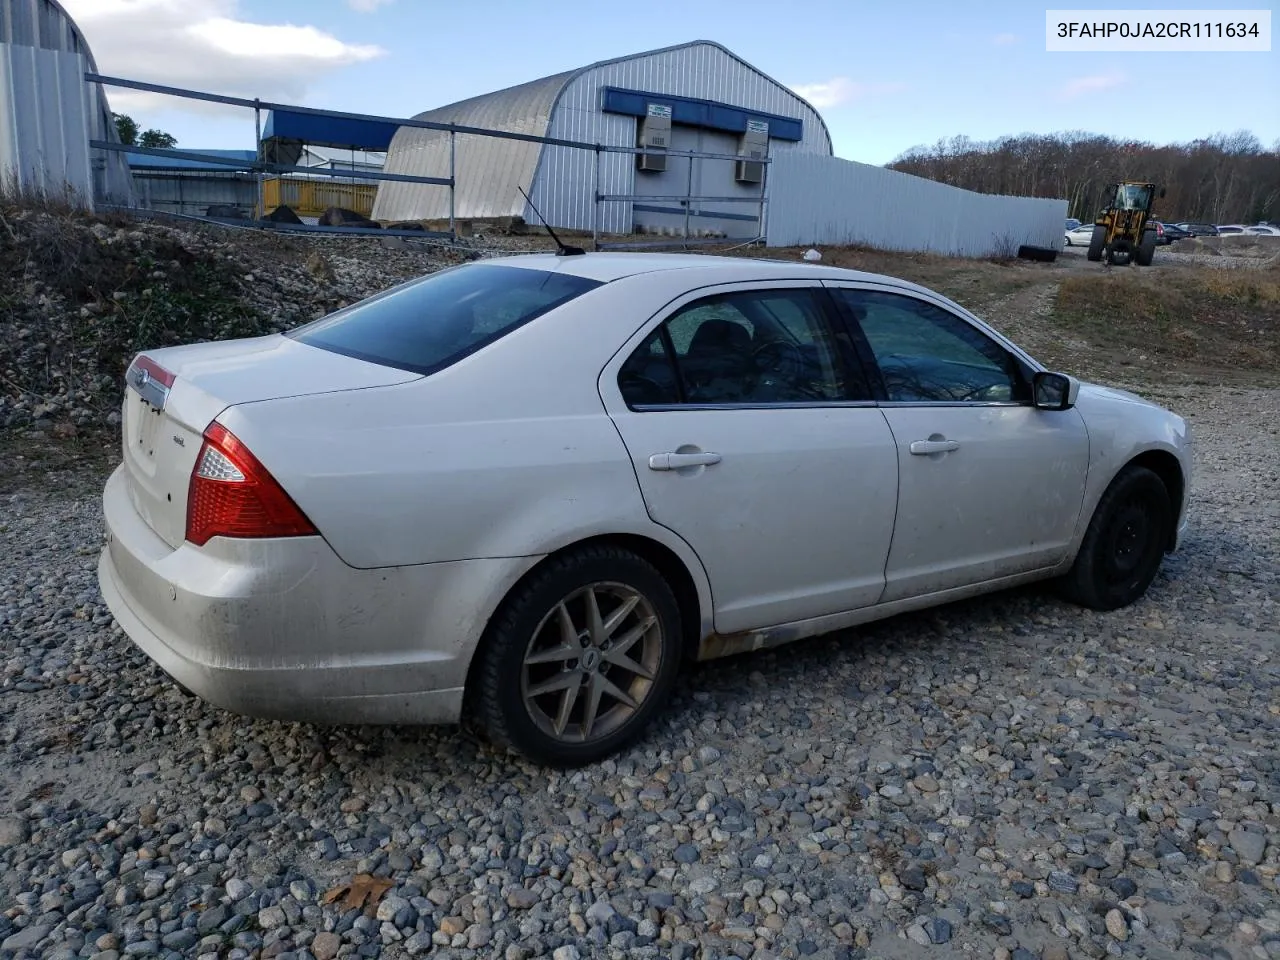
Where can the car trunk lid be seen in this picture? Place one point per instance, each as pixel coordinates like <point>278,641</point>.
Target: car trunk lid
<point>173,394</point>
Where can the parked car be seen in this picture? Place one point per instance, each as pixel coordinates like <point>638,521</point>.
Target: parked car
<point>1231,229</point>
<point>531,488</point>
<point>1167,233</point>
<point>1080,236</point>
<point>1262,230</point>
<point>1199,229</point>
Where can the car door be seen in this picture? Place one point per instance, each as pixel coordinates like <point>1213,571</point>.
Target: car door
<point>754,436</point>
<point>989,486</point>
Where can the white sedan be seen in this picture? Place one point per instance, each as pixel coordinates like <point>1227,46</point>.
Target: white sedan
<point>1080,236</point>
<point>526,490</point>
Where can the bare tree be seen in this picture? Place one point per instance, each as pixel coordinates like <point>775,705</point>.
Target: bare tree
<point>1222,178</point>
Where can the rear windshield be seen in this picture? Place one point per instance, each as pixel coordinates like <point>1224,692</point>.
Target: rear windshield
<point>430,323</point>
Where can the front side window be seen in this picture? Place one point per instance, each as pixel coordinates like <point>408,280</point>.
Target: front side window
<point>426,325</point>
<point>751,347</point>
<point>928,354</point>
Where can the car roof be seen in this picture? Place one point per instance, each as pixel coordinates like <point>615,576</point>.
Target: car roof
<point>607,267</point>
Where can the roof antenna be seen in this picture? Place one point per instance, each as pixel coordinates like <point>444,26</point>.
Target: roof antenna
<point>565,250</point>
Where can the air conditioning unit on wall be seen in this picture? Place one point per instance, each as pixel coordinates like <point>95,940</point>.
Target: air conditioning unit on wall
<point>754,145</point>
<point>654,133</point>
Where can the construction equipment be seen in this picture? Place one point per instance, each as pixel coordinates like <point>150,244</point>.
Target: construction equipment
<point>1122,231</point>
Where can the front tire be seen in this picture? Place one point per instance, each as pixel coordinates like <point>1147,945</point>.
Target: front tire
<point>1120,253</point>
<point>1124,544</point>
<point>1096,243</point>
<point>1147,249</point>
<point>579,658</point>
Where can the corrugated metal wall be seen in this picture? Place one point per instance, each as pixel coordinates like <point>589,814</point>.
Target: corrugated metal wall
<point>192,194</point>
<point>47,111</point>
<point>488,170</point>
<point>40,23</point>
<point>44,116</point>
<point>563,187</point>
<point>815,199</point>
<point>710,178</point>
<point>567,106</point>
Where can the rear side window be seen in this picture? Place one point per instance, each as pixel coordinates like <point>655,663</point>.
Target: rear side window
<point>426,325</point>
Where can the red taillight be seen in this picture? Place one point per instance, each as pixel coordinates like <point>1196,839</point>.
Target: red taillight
<point>154,370</point>
<point>233,495</point>
<point>150,380</point>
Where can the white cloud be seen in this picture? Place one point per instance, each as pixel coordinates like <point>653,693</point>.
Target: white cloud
<point>205,45</point>
<point>1096,83</point>
<point>1004,39</point>
<point>841,90</point>
<point>367,6</point>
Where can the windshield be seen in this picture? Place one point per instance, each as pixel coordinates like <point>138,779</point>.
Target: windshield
<point>1133,196</point>
<point>428,324</point>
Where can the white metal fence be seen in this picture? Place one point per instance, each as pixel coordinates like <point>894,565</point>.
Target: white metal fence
<point>825,200</point>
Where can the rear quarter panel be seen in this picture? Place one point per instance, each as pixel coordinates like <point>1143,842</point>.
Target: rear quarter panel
<point>507,453</point>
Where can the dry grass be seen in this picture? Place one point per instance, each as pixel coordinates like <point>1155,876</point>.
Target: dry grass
<point>971,283</point>
<point>1197,320</point>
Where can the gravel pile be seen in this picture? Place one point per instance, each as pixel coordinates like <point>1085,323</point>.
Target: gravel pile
<point>1230,253</point>
<point>81,296</point>
<point>1008,777</point>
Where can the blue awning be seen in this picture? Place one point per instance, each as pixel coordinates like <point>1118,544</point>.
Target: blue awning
<point>147,161</point>
<point>700,113</point>
<point>345,133</point>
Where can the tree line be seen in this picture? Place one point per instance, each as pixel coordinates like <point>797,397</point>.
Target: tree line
<point>1226,178</point>
<point>127,128</point>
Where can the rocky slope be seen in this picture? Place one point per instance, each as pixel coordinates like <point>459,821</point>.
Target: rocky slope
<point>79,296</point>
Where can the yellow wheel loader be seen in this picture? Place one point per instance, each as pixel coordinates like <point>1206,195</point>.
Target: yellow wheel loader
<point>1123,233</point>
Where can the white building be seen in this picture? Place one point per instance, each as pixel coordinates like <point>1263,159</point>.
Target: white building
<point>693,97</point>
<point>49,113</point>
<point>335,158</point>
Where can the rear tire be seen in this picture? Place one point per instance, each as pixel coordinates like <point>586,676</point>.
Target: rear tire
<point>558,690</point>
<point>1096,243</point>
<point>1124,544</point>
<point>1147,249</point>
<point>1038,254</point>
<point>1120,254</point>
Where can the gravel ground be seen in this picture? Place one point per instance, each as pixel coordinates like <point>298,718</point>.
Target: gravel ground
<point>1176,255</point>
<point>1009,777</point>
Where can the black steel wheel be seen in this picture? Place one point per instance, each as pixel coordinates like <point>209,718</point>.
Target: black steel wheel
<point>579,658</point>
<point>1124,544</point>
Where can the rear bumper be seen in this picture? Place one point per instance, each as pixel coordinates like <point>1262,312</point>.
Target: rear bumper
<point>284,629</point>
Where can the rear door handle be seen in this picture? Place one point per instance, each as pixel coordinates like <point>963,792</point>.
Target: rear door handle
<point>674,461</point>
<point>922,448</point>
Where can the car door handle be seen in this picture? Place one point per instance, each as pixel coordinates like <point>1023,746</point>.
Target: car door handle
<point>922,448</point>
<point>674,461</point>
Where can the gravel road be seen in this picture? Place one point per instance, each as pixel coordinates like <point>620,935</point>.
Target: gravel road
<point>1008,777</point>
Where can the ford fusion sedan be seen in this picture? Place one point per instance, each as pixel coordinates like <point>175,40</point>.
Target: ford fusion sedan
<point>527,491</point>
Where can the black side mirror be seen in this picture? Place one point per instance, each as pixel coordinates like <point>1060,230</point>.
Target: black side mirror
<point>1053,391</point>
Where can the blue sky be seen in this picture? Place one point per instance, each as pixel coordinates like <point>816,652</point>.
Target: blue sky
<point>886,76</point>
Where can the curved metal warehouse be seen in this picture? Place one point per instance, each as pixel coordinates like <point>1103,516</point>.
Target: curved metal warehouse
<point>48,113</point>
<point>713,101</point>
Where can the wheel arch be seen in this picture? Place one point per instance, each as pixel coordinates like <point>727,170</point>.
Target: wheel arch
<point>691,593</point>
<point>1165,466</point>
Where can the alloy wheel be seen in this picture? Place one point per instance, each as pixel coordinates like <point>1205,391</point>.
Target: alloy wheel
<point>591,662</point>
